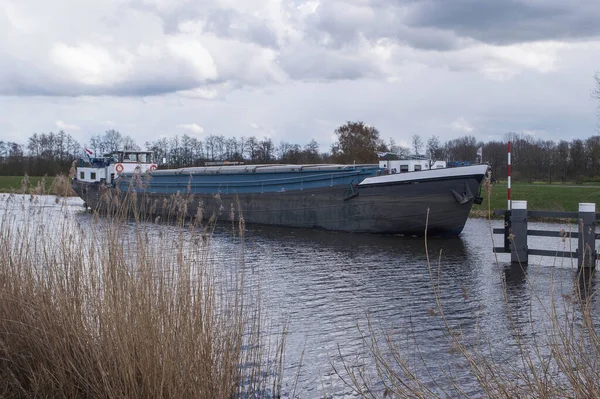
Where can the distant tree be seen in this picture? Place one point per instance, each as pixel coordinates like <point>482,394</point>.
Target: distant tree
<point>266,150</point>
<point>417,144</point>
<point>281,151</point>
<point>577,157</point>
<point>563,160</point>
<point>462,149</point>
<point>252,148</point>
<point>129,144</point>
<point>161,150</point>
<point>289,153</point>
<point>495,154</point>
<point>113,141</point>
<point>210,143</point>
<point>220,147</point>
<point>357,142</point>
<point>592,151</point>
<point>310,153</point>
<point>434,151</point>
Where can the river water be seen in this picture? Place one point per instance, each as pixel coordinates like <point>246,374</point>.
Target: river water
<point>325,287</point>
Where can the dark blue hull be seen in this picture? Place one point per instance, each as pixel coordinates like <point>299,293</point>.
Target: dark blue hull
<point>439,205</point>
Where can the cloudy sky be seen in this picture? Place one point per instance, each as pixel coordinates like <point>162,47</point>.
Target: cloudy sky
<point>294,70</point>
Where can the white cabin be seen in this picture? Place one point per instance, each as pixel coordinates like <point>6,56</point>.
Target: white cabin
<point>108,167</point>
<point>410,165</point>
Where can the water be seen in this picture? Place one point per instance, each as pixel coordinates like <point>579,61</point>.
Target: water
<point>325,286</point>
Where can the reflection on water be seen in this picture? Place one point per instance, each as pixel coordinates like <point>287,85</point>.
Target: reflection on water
<point>327,285</point>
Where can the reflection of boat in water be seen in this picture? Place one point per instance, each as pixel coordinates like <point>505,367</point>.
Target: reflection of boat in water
<point>365,246</point>
<point>353,198</point>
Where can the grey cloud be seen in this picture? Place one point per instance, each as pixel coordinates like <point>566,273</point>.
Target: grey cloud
<point>309,63</point>
<point>20,79</point>
<point>446,25</point>
<point>222,22</point>
<point>507,21</point>
<point>331,24</point>
<point>234,25</point>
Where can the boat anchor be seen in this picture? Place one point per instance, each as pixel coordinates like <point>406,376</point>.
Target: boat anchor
<point>465,197</point>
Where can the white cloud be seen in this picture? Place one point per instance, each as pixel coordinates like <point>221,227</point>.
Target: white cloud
<point>461,125</point>
<point>87,64</point>
<point>200,93</point>
<point>535,132</point>
<point>192,127</point>
<point>143,66</point>
<point>66,126</point>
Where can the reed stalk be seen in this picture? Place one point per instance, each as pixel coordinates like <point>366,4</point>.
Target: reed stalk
<point>556,357</point>
<point>121,307</point>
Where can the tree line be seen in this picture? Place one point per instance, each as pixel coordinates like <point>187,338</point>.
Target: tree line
<point>532,159</point>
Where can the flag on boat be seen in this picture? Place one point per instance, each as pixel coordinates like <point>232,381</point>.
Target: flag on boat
<point>479,151</point>
<point>88,151</point>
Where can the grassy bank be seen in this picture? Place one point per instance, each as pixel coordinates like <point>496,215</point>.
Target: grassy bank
<point>548,197</point>
<point>59,185</point>
<point>14,184</point>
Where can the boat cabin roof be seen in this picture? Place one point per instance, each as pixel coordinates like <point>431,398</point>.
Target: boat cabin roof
<point>272,168</point>
<point>130,156</point>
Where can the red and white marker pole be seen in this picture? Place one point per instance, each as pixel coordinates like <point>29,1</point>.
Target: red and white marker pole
<point>508,176</point>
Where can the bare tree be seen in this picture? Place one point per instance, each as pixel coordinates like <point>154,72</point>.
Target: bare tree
<point>434,149</point>
<point>112,140</point>
<point>252,148</point>
<point>266,149</point>
<point>311,152</point>
<point>129,144</point>
<point>417,143</point>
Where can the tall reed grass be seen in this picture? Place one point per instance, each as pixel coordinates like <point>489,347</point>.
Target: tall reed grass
<point>125,308</point>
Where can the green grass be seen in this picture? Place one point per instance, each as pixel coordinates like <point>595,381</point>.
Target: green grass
<point>10,184</point>
<point>548,197</point>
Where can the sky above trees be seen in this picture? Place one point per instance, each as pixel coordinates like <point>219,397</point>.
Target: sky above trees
<point>294,70</point>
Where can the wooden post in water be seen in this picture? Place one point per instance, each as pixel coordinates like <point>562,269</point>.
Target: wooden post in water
<point>586,248</point>
<point>518,234</point>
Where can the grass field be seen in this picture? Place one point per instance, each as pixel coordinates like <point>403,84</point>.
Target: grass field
<point>548,197</point>
<point>9,184</point>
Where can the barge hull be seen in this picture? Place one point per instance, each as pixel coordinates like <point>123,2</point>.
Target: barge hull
<point>409,208</point>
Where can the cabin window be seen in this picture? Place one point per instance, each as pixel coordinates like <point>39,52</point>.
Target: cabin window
<point>82,175</point>
<point>92,176</point>
<point>142,158</point>
<point>403,168</point>
<point>417,167</point>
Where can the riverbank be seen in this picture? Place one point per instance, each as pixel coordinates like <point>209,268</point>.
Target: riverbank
<point>547,197</point>
<point>59,185</point>
<point>17,184</point>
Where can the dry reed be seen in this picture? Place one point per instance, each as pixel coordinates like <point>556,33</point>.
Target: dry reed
<point>557,357</point>
<point>124,308</point>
